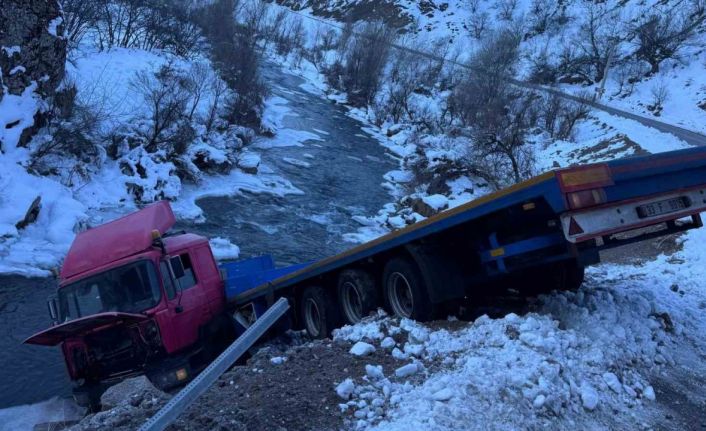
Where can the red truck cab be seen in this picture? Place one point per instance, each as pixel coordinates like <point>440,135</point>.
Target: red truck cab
<point>134,298</point>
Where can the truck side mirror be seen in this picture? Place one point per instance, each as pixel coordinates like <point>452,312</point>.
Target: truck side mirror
<point>53,311</point>
<point>177,267</point>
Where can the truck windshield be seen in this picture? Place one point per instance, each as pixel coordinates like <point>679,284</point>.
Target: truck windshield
<point>131,288</point>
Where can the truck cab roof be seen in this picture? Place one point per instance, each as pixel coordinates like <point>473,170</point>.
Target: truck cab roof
<point>118,239</point>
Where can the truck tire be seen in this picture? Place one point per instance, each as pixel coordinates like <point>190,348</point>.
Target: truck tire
<point>319,312</point>
<point>357,294</point>
<point>405,291</point>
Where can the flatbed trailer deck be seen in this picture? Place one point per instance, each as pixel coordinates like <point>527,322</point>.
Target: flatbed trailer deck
<point>561,216</point>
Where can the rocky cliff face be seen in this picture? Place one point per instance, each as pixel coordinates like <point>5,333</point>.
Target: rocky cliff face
<point>32,49</point>
<point>31,45</point>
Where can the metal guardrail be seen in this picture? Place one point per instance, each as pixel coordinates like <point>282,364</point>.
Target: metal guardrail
<point>168,414</point>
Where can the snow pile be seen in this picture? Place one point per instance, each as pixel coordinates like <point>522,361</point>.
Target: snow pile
<point>223,249</point>
<point>27,416</point>
<point>578,359</point>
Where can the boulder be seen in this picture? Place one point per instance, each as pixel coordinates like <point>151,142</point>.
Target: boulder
<point>128,390</point>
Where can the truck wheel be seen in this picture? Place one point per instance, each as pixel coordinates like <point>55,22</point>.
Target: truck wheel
<point>319,312</point>
<point>357,294</point>
<point>405,290</point>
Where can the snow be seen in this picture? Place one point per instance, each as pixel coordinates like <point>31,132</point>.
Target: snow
<point>25,417</point>
<point>436,202</point>
<point>11,50</point>
<point>407,370</point>
<point>278,360</point>
<point>362,349</point>
<point>589,397</point>
<point>345,389</point>
<point>297,162</point>
<point>223,249</point>
<point>54,25</point>
<point>374,372</point>
<point>583,359</point>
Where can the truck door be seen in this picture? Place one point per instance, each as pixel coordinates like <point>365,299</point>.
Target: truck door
<point>186,303</point>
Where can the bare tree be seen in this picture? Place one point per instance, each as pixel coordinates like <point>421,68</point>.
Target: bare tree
<point>570,115</point>
<point>598,39</point>
<point>365,60</point>
<point>506,9</point>
<point>660,36</point>
<point>79,17</point>
<point>167,95</point>
<point>478,24</point>
<point>660,94</point>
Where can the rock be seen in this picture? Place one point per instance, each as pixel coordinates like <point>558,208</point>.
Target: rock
<point>422,208</point>
<point>362,349</point>
<point>130,389</point>
<point>31,214</point>
<point>278,360</point>
<point>249,162</point>
<point>32,33</point>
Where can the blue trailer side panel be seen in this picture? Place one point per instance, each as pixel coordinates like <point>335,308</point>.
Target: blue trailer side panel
<point>243,275</point>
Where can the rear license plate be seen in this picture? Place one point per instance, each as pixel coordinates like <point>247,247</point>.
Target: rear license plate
<point>663,207</point>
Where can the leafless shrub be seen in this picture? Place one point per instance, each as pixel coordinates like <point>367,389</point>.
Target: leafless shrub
<point>597,39</point>
<point>473,5</point>
<point>79,17</point>
<point>627,74</point>
<point>570,115</point>
<point>145,24</point>
<point>485,86</point>
<point>365,60</point>
<point>540,15</point>
<point>506,9</point>
<point>217,89</point>
<point>71,131</point>
<point>236,57</point>
<point>661,35</point>
<point>498,115</point>
<point>167,93</point>
<point>478,24</point>
<point>660,94</point>
<point>551,110</point>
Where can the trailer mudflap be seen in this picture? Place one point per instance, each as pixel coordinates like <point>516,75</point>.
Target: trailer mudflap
<point>73,328</point>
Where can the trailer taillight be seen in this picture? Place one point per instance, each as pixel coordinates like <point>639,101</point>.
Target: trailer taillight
<point>584,177</point>
<point>586,198</point>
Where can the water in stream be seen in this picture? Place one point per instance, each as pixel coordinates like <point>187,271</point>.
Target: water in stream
<point>341,177</point>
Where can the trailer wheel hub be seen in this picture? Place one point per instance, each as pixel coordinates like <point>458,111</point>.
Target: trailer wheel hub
<point>401,296</point>
<point>352,303</point>
<point>312,318</point>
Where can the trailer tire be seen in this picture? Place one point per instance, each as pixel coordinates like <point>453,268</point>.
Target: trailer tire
<point>357,295</point>
<point>406,292</point>
<point>319,312</point>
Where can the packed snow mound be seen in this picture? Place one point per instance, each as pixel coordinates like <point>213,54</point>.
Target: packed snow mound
<point>577,359</point>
